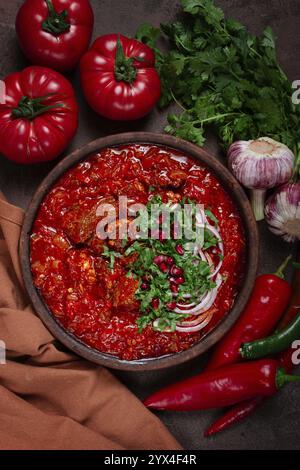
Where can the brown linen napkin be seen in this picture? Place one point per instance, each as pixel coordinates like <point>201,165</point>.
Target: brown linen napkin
<point>50,399</point>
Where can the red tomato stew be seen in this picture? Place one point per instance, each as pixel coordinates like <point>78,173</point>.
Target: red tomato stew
<point>138,296</point>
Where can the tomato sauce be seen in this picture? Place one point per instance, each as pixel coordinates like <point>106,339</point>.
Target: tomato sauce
<point>96,303</point>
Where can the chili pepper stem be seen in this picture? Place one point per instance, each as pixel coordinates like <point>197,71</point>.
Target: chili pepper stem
<point>282,378</point>
<point>282,267</point>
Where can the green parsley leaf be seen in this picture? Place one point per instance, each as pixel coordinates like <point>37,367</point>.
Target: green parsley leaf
<point>112,255</point>
<point>223,77</point>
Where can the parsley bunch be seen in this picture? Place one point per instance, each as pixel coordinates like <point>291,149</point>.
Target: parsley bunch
<point>221,75</point>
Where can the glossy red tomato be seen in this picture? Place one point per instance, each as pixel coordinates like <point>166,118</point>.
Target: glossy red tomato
<point>39,117</point>
<point>119,78</point>
<point>55,33</point>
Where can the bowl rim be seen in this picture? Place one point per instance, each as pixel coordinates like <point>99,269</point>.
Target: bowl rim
<point>229,183</point>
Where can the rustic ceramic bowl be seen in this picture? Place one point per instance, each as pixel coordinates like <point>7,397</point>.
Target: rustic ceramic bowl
<point>232,187</point>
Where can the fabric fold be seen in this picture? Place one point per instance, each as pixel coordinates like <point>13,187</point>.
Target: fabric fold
<point>50,398</point>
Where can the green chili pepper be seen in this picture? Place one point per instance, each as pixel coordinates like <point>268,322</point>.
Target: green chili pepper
<point>272,344</point>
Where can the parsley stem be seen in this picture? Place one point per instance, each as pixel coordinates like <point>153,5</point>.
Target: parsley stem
<point>177,102</point>
<point>216,117</point>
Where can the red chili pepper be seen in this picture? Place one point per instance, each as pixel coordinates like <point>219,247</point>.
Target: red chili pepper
<point>294,305</point>
<point>234,415</point>
<point>223,387</point>
<point>285,357</point>
<point>245,409</point>
<point>269,299</point>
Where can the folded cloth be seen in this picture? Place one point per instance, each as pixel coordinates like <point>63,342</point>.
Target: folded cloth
<point>51,399</point>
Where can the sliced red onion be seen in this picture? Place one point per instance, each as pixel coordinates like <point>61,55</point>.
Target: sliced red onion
<point>186,296</point>
<point>197,320</point>
<point>214,292</point>
<point>198,251</point>
<point>186,305</point>
<point>203,309</point>
<point>206,257</point>
<point>219,265</point>
<point>194,329</point>
<point>194,308</point>
<point>206,302</point>
<point>217,269</point>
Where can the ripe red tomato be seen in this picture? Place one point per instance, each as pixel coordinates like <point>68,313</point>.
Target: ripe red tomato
<point>119,78</point>
<point>39,116</point>
<point>55,33</point>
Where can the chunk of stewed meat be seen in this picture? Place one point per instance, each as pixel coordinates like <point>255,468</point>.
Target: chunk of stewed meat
<point>114,240</point>
<point>170,178</point>
<point>80,221</point>
<point>106,276</point>
<point>124,293</point>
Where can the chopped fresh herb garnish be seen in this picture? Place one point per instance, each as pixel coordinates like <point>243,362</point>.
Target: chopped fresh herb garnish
<point>154,294</point>
<point>211,216</point>
<point>209,240</point>
<point>112,255</point>
<point>163,264</point>
<point>196,280</point>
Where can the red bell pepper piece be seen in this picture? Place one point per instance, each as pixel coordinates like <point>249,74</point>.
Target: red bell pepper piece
<point>269,298</point>
<point>223,387</point>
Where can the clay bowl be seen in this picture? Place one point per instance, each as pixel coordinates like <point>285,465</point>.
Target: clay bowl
<point>232,187</point>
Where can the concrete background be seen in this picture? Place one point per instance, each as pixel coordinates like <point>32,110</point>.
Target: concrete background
<point>277,424</point>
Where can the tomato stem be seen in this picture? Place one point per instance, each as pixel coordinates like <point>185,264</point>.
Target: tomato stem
<point>55,23</point>
<point>30,108</point>
<point>124,70</point>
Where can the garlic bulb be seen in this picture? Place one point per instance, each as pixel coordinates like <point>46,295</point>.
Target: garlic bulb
<point>282,212</point>
<point>259,165</point>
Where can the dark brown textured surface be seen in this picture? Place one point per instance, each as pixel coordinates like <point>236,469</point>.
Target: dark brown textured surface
<point>277,424</point>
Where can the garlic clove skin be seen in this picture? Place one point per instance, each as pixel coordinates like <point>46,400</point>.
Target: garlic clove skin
<point>282,212</point>
<point>259,165</point>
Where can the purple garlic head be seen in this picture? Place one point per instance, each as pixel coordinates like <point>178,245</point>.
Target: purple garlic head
<point>282,212</point>
<point>262,163</point>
